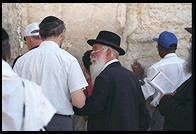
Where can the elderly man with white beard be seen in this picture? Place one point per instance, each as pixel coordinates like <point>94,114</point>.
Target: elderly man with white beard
<point>117,102</point>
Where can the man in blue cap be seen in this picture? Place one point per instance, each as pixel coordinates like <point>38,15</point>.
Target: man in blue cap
<point>178,108</point>
<point>170,65</point>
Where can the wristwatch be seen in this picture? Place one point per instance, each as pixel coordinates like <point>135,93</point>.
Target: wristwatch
<point>141,82</point>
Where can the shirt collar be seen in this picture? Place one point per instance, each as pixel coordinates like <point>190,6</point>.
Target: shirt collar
<point>110,62</point>
<point>170,55</point>
<point>49,43</point>
<point>34,47</point>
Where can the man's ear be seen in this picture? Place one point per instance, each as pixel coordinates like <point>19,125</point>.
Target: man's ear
<point>108,53</point>
<point>62,35</point>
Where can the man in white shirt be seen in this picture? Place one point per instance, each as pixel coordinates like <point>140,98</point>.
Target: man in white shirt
<point>24,105</point>
<point>31,38</point>
<point>170,64</point>
<point>178,107</point>
<point>56,71</point>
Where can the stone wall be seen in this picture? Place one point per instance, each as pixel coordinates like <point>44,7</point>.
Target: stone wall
<point>136,23</point>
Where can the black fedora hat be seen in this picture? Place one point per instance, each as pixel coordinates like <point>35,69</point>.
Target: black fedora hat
<point>189,29</point>
<point>109,39</point>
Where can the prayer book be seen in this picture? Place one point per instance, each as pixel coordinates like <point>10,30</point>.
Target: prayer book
<point>162,83</point>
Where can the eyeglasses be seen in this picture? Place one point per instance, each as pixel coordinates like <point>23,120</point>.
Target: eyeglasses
<point>96,51</point>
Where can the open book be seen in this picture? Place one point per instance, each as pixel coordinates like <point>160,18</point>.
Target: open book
<point>162,83</point>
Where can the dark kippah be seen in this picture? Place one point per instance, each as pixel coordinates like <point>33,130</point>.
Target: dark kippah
<point>49,19</point>
<point>50,23</point>
<point>4,35</point>
<point>51,26</point>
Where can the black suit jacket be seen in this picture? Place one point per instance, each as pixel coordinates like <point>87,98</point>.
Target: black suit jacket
<point>178,110</point>
<point>117,102</point>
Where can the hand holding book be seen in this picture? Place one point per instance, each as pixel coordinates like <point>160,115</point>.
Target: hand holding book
<point>162,83</point>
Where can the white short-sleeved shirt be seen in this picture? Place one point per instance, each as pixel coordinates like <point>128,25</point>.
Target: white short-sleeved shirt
<point>57,71</point>
<point>173,67</point>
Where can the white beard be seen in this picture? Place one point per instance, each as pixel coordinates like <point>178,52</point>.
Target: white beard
<point>97,66</point>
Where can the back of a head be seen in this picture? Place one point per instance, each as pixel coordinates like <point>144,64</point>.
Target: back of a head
<point>5,44</point>
<point>5,35</point>
<point>51,26</point>
<point>86,59</point>
<point>167,40</point>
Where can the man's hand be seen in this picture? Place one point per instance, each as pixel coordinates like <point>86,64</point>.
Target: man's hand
<point>138,70</point>
<point>165,94</point>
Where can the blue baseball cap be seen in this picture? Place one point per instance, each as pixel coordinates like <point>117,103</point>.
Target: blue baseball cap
<point>167,40</point>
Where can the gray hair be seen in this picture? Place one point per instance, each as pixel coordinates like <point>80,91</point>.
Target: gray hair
<point>115,53</point>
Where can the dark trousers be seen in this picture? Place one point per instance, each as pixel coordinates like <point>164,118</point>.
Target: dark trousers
<point>157,121</point>
<point>60,123</point>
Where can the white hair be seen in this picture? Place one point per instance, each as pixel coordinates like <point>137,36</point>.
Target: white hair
<point>115,53</point>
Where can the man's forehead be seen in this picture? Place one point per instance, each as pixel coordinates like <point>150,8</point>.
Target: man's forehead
<point>97,45</point>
